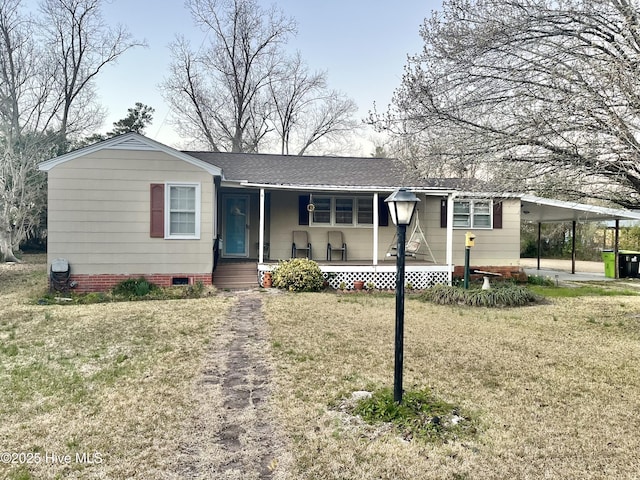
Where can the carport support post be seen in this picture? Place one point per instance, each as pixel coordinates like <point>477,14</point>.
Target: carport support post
<point>539,242</point>
<point>573,247</point>
<point>616,247</point>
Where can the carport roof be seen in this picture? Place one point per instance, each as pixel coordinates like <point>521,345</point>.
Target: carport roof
<point>545,210</point>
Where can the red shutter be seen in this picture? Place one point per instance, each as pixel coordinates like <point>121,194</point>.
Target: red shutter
<point>157,210</point>
<point>497,214</point>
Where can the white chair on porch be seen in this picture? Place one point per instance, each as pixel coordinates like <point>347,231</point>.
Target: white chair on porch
<point>300,243</point>
<point>335,243</point>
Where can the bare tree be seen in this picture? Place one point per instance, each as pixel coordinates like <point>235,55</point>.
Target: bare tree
<point>46,91</point>
<point>22,191</point>
<point>81,44</point>
<point>25,80</point>
<point>546,92</point>
<point>240,90</point>
<point>24,95</point>
<point>305,109</point>
<point>218,92</point>
<point>291,92</point>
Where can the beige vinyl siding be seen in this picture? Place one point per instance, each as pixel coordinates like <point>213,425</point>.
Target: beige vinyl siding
<point>284,220</point>
<point>99,213</point>
<point>493,246</point>
<point>499,246</point>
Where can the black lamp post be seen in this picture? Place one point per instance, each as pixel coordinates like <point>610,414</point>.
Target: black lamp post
<point>402,205</point>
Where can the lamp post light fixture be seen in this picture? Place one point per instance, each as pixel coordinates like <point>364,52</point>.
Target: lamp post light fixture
<point>402,205</point>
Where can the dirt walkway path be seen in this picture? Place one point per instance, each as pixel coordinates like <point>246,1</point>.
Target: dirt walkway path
<point>231,436</point>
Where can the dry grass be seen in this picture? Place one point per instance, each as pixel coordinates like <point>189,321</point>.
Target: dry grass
<point>556,387</point>
<point>113,379</point>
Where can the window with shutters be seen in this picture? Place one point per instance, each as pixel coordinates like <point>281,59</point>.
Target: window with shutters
<point>472,214</point>
<point>181,216</point>
<point>322,210</point>
<point>365,210</point>
<point>342,211</point>
<point>156,228</point>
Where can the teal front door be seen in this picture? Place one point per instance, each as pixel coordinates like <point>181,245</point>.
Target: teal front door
<point>235,239</point>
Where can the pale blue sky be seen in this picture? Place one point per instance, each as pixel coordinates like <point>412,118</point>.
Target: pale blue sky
<point>363,45</point>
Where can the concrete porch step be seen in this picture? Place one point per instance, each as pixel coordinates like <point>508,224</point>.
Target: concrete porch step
<point>236,275</point>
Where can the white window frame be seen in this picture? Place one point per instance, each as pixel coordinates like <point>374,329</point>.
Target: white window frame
<point>472,202</point>
<point>331,216</point>
<point>167,211</point>
<point>332,211</point>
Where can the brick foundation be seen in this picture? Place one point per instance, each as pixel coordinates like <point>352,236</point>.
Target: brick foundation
<point>510,272</point>
<point>104,282</point>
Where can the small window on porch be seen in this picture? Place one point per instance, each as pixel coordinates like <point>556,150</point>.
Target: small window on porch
<point>322,212</point>
<point>344,211</point>
<point>365,211</point>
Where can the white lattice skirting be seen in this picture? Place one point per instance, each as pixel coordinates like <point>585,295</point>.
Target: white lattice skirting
<point>382,277</point>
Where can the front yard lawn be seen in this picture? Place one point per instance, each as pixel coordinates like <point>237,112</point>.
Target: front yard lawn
<point>555,388</point>
<point>96,391</point>
<point>107,390</point>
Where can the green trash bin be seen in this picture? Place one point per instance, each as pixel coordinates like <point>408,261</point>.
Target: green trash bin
<point>609,259</point>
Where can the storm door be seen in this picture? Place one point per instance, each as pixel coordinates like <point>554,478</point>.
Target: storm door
<point>235,230</point>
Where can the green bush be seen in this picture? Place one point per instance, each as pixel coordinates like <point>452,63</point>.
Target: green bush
<point>298,275</point>
<point>421,415</point>
<point>502,296</point>
<point>195,291</point>
<point>134,287</point>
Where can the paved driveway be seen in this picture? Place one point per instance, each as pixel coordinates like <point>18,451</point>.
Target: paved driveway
<point>585,271</point>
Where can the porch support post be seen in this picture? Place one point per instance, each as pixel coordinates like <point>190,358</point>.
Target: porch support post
<point>449,246</point>
<point>375,229</point>
<point>573,247</point>
<point>216,206</point>
<point>261,233</point>
<point>616,248</point>
<point>539,242</point>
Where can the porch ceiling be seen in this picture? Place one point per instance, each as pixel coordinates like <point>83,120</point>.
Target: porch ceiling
<point>543,210</point>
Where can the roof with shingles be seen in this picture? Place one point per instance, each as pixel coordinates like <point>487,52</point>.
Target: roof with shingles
<point>315,171</point>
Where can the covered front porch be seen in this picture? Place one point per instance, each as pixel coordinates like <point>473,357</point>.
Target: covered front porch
<point>265,235</point>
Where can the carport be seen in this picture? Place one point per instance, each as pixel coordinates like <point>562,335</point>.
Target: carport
<point>544,210</point>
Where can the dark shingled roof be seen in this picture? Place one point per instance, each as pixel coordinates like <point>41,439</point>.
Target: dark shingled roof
<point>291,170</point>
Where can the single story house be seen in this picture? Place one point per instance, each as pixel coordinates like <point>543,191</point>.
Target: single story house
<point>130,206</point>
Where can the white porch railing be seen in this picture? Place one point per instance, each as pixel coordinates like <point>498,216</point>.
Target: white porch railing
<point>381,276</point>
